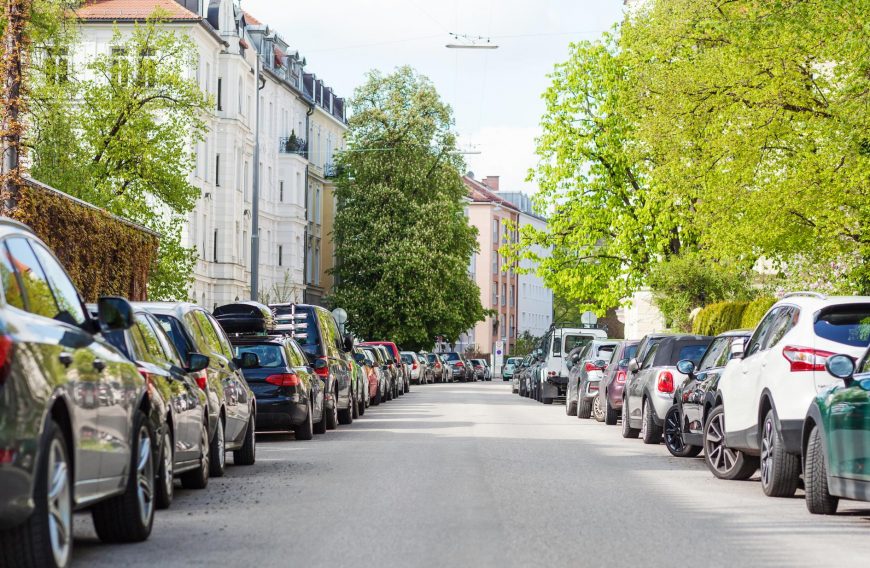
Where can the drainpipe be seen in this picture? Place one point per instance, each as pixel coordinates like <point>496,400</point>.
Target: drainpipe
<point>307,155</point>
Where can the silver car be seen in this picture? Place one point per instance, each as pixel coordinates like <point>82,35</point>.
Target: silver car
<point>586,369</point>
<point>649,390</point>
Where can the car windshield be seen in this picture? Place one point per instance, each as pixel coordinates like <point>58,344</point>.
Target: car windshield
<point>849,325</point>
<point>690,352</point>
<point>271,356</point>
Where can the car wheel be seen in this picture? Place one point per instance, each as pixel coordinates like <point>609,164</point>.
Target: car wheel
<point>597,410</point>
<point>305,431</point>
<point>627,430</point>
<point>571,408</point>
<point>247,454</point>
<point>361,409</point>
<point>407,388</point>
<point>355,404</point>
<point>722,461</point>
<point>345,415</point>
<point>673,436</point>
<point>650,432</point>
<point>819,500</point>
<point>217,451</point>
<point>780,470</point>
<point>610,414</point>
<point>198,478</point>
<point>584,408</point>
<point>332,414</point>
<point>377,399</point>
<point>130,516</point>
<point>165,480</point>
<point>46,537</point>
<point>320,425</point>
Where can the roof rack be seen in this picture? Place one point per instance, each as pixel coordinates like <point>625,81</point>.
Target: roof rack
<point>578,325</point>
<point>817,295</point>
<point>293,324</point>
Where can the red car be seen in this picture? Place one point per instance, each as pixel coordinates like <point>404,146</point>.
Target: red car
<point>613,383</point>
<point>403,378</point>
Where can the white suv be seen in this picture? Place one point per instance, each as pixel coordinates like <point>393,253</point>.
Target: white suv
<point>764,392</point>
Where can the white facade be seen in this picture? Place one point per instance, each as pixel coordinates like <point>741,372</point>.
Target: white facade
<point>642,316</point>
<point>535,308</point>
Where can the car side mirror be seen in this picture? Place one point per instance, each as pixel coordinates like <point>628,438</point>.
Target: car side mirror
<point>737,348</point>
<point>633,366</point>
<point>842,367</point>
<point>197,362</point>
<point>114,313</point>
<point>248,361</point>
<point>686,367</point>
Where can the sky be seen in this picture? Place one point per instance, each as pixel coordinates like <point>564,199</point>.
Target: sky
<point>495,94</point>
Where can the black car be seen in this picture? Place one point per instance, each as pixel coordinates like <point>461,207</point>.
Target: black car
<point>695,397</point>
<point>181,413</point>
<point>74,428</point>
<point>317,332</point>
<point>232,408</point>
<point>289,393</point>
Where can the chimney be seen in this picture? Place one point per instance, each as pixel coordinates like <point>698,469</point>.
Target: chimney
<point>491,182</point>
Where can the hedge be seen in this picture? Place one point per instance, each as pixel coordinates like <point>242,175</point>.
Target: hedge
<point>755,311</point>
<point>103,254</point>
<point>719,317</point>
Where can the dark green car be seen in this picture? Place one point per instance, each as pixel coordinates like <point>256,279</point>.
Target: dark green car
<point>836,438</point>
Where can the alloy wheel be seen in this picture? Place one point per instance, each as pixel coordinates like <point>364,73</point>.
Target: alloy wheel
<point>719,455</point>
<point>204,463</point>
<point>643,419</point>
<point>597,411</point>
<point>222,453</point>
<point>59,503</point>
<point>168,465</point>
<point>767,453</point>
<point>145,477</point>
<point>673,432</point>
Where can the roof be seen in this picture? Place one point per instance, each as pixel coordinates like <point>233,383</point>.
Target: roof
<point>133,10</point>
<point>251,19</point>
<point>479,193</point>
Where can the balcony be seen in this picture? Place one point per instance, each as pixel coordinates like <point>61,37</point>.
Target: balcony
<point>293,145</point>
<point>330,170</point>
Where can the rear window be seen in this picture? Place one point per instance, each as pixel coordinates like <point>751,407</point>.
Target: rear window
<point>407,359</point>
<point>431,358</point>
<point>271,356</point>
<point>849,324</point>
<point>690,352</point>
<point>452,356</point>
<point>572,341</point>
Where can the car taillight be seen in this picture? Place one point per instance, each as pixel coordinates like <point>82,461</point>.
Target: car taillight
<point>5,357</point>
<point>665,382</point>
<point>201,379</point>
<point>415,366</point>
<point>7,455</point>
<point>805,359</point>
<point>620,377</point>
<point>283,380</point>
<point>459,364</point>
<point>590,366</point>
<point>321,367</point>
<point>551,373</point>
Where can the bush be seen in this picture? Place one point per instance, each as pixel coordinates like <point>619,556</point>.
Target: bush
<point>755,311</point>
<point>719,317</point>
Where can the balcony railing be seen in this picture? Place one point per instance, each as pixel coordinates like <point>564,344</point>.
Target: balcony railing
<point>330,170</point>
<point>292,145</point>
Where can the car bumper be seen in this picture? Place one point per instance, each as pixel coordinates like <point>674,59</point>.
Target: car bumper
<point>281,413</point>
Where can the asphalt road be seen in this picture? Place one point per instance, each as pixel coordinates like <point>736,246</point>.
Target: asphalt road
<point>471,475</point>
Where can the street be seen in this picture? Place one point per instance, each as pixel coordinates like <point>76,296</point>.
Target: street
<point>472,475</point>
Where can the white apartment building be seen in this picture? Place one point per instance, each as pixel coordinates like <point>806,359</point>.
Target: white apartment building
<point>227,41</point>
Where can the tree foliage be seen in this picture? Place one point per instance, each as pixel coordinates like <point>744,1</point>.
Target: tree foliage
<point>400,233</point>
<point>118,135</point>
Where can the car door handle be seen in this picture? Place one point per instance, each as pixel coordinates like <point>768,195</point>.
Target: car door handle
<point>99,364</point>
<point>65,359</point>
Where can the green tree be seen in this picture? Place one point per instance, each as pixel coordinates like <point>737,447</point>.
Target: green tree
<point>400,230</point>
<point>119,136</point>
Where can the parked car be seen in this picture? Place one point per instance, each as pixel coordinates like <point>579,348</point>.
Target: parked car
<point>649,390</point>
<point>764,395</point>
<point>586,368</point>
<point>289,393</point>
<point>551,378</point>
<point>403,378</point>
<point>231,404</point>
<point>317,332</point>
<point>439,368</point>
<point>180,404</point>
<point>460,369</point>
<point>487,375</point>
<point>366,360</point>
<point>385,374</point>
<point>361,385</point>
<point>836,437</point>
<point>613,383</point>
<point>394,367</point>
<point>68,390</point>
<point>417,370</point>
<point>479,368</point>
<point>524,375</point>
<point>696,396</point>
<point>507,373</point>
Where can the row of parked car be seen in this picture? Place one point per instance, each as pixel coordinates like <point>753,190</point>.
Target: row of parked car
<point>790,398</point>
<point>103,407</point>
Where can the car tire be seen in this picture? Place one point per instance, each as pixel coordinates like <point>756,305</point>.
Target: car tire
<point>571,408</point>
<point>247,454</point>
<point>130,516</point>
<point>345,415</point>
<point>611,416</point>
<point>722,461</point>
<point>627,430</point>
<point>361,410</point>
<point>198,478</point>
<point>320,425</point>
<point>30,544</point>
<point>331,417</point>
<point>165,485</point>
<point>597,410</point>
<point>547,400</point>
<point>305,431</point>
<point>584,408</point>
<point>819,500</point>
<point>355,407</point>
<point>650,432</point>
<point>217,450</point>
<point>407,388</point>
<point>673,436</point>
<point>780,470</point>
<point>377,399</point>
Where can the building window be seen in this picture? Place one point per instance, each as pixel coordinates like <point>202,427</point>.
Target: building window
<point>495,264</point>
<point>241,91</point>
<point>503,294</point>
<point>495,230</point>
<point>512,294</point>
<point>215,246</point>
<point>281,191</point>
<point>495,293</point>
<point>217,170</point>
<point>220,94</point>
<point>317,206</point>
<point>280,255</point>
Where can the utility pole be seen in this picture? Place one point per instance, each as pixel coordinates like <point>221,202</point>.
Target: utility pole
<point>255,194</point>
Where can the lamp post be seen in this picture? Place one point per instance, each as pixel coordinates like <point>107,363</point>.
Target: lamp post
<point>255,193</point>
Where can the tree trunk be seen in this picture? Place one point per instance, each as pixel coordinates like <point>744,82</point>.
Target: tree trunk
<point>12,104</point>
